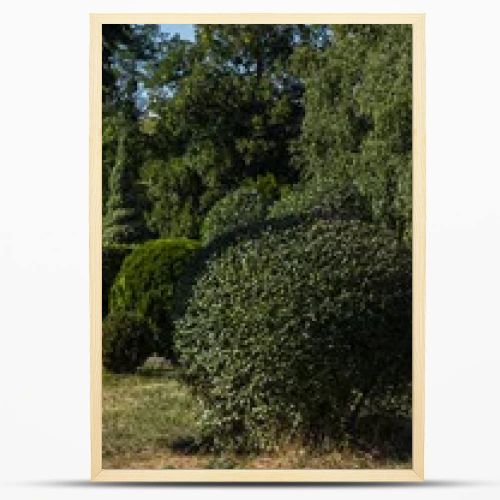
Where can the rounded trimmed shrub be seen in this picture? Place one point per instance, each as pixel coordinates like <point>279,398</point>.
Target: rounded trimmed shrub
<point>112,258</point>
<point>287,335</point>
<point>242,207</point>
<point>127,341</point>
<point>146,284</point>
<point>322,196</point>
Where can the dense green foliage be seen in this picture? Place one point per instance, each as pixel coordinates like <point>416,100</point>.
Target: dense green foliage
<point>246,205</point>
<point>127,341</point>
<point>112,258</point>
<point>123,220</point>
<point>185,123</point>
<point>287,150</point>
<point>226,108</point>
<point>358,116</point>
<point>146,284</point>
<point>127,51</point>
<point>322,196</point>
<point>291,333</point>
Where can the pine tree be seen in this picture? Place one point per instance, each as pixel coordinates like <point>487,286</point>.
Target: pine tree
<point>124,220</point>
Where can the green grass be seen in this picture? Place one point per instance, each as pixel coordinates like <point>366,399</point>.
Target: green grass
<point>145,414</point>
<point>149,422</point>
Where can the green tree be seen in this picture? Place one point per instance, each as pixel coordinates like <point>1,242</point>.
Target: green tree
<point>128,50</point>
<point>124,215</point>
<point>358,116</point>
<point>224,108</point>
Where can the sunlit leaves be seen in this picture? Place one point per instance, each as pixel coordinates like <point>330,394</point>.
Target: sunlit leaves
<point>285,328</point>
<point>358,118</point>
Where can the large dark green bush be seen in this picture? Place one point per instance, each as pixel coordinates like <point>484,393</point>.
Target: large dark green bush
<point>127,341</point>
<point>112,258</point>
<point>246,205</point>
<point>292,333</point>
<point>146,283</point>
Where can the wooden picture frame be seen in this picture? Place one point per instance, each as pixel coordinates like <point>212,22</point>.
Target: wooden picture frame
<point>416,473</point>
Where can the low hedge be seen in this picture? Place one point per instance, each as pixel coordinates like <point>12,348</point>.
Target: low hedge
<point>112,258</point>
<point>289,334</point>
<point>146,284</point>
<point>127,341</point>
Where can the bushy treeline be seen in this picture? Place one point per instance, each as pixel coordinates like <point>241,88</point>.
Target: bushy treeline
<point>185,123</point>
<point>286,150</point>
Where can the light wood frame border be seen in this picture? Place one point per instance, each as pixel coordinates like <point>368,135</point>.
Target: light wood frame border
<point>253,475</point>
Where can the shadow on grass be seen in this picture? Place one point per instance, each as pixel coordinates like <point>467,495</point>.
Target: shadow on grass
<point>386,436</point>
<point>187,445</point>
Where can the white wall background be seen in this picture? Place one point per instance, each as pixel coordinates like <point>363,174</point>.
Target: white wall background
<point>44,326</point>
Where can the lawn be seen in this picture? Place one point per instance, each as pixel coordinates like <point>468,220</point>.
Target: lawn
<point>149,422</point>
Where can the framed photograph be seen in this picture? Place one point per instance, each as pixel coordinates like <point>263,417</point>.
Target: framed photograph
<point>257,247</point>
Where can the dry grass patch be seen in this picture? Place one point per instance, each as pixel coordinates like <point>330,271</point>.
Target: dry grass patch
<point>150,423</point>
